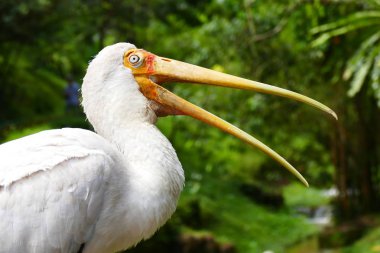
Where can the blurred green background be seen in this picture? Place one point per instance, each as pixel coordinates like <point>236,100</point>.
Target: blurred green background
<point>236,199</point>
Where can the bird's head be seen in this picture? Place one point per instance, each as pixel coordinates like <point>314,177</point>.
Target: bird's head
<point>122,76</point>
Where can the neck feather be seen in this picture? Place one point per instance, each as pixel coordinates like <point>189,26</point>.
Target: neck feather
<point>154,180</point>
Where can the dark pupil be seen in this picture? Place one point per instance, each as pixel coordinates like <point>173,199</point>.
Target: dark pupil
<point>134,59</point>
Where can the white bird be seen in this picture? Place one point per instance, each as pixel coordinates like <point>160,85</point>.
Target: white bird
<point>73,190</point>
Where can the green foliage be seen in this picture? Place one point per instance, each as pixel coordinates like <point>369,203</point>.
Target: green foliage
<point>248,226</point>
<point>26,131</point>
<point>365,62</point>
<point>297,195</point>
<point>348,43</point>
<point>368,244</point>
<point>74,119</point>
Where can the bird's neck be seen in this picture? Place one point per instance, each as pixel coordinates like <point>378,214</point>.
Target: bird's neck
<point>150,154</point>
<point>154,173</point>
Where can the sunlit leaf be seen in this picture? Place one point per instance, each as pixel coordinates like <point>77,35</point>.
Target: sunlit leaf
<point>375,79</point>
<point>342,30</point>
<point>361,74</point>
<point>354,62</point>
<point>357,17</point>
<point>359,78</point>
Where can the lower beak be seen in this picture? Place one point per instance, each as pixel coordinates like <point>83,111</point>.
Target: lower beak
<point>166,70</point>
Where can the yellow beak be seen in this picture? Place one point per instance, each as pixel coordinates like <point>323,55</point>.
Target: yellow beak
<point>150,70</point>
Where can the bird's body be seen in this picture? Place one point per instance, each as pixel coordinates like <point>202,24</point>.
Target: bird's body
<point>60,189</point>
<point>73,190</point>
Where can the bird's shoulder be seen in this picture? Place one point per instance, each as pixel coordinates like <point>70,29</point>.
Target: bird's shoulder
<point>53,186</point>
<point>46,150</point>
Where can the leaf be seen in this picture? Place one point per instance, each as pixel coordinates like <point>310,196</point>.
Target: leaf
<point>375,79</point>
<point>359,55</point>
<point>359,78</point>
<point>362,73</point>
<point>342,30</point>
<point>356,17</point>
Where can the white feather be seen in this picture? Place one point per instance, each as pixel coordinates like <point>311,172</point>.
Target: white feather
<point>60,189</point>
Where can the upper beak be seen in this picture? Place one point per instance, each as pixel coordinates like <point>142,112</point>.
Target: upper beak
<point>156,70</point>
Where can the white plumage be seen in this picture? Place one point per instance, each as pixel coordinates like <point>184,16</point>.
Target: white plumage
<point>60,189</point>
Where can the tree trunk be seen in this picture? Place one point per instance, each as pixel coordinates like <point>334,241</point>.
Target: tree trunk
<point>341,171</point>
<point>356,156</point>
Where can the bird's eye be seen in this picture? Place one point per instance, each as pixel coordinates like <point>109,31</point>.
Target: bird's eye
<point>135,60</point>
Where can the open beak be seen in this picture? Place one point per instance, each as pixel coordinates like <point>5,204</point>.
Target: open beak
<point>151,70</point>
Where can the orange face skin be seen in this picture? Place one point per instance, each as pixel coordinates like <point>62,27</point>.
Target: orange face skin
<point>142,71</point>
<point>146,66</point>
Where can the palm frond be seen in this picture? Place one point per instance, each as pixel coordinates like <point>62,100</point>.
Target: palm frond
<point>363,69</point>
<point>353,18</point>
<point>342,26</point>
<point>375,78</point>
<point>360,54</point>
